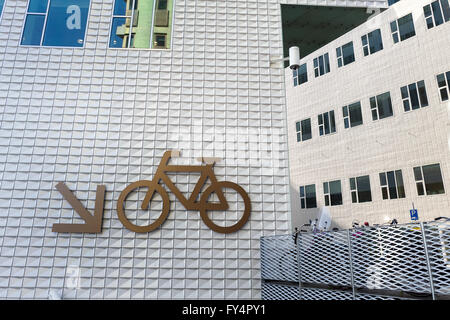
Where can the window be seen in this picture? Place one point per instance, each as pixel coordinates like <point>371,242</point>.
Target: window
<point>429,180</point>
<point>345,54</point>
<point>392,185</point>
<point>333,193</point>
<point>372,42</point>
<point>300,75</point>
<point>134,20</point>
<point>308,197</point>
<point>321,65</point>
<point>2,2</point>
<point>403,28</point>
<point>360,189</point>
<point>162,5</point>
<point>391,2</point>
<point>327,124</point>
<point>56,23</point>
<point>160,41</point>
<point>436,13</point>
<point>303,129</point>
<point>443,80</point>
<point>381,106</point>
<point>352,115</point>
<point>414,96</point>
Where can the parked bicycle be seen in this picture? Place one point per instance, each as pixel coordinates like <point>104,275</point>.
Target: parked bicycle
<point>203,205</point>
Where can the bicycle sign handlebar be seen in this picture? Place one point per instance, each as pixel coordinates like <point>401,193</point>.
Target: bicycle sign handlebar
<point>203,206</point>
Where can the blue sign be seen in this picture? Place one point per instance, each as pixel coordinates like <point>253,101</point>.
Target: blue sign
<point>414,214</point>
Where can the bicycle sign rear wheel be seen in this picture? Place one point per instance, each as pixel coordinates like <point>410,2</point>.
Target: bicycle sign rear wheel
<point>204,206</point>
<point>151,186</point>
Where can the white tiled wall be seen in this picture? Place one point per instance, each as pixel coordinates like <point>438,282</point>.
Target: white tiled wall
<point>403,141</point>
<point>101,116</point>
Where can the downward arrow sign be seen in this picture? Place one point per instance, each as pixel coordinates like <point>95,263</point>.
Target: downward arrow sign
<point>93,222</point>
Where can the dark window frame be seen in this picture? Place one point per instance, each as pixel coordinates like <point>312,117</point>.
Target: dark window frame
<point>422,178</point>
<point>306,200</point>
<point>349,113</point>
<point>392,185</point>
<point>370,44</point>
<point>332,198</point>
<point>327,123</point>
<point>321,65</point>
<point>414,96</point>
<point>443,81</point>
<point>300,127</point>
<point>358,193</point>
<point>400,30</point>
<point>378,106</point>
<point>344,57</point>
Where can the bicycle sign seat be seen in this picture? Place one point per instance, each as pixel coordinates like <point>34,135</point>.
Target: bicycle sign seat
<point>203,206</point>
<point>209,160</point>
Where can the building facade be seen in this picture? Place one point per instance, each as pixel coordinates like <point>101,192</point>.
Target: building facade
<point>93,93</point>
<point>368,118</point>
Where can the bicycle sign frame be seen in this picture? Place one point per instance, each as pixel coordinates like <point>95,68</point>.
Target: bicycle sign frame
<point>202,205</point>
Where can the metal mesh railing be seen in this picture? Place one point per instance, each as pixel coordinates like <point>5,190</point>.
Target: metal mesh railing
<point>318,266</point>
<point>279,258</point>
<point>277,291</point>
<point>391,258</point>
<point>410,261</point>
<point>437,236</point>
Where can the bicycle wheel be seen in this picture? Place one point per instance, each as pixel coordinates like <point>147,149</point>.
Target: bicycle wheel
<point>204,207</point>
<point>151,187</point>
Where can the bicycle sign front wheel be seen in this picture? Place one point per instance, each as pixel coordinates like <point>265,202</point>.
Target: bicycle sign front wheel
<point>204,206</point>
<point>152,187</point>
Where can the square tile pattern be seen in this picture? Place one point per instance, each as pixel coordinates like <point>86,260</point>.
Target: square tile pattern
<point>95,116</point>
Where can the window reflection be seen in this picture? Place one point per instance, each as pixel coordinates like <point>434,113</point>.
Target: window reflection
<point>141,24</point>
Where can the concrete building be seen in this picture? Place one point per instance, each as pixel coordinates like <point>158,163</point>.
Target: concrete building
<point>368,117</point>
<point>84,104</point>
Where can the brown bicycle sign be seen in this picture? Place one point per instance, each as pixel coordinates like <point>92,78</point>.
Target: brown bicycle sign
<point>203,206</point>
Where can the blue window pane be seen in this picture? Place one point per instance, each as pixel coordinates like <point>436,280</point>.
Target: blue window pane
<point>348,53</point>
<point>303,74</point>
<point>364,40</point>
<point>120,7</point>
<point>321,66</point>
<point>438,18</point>
<point>395,35</point>
<point>415,104</point>
<point>405,93</point>
<point>394,26</point>
<point>345,111</point>
<point>66,23</point>
<point>406,27</point>
<point>32,30</point>
<point>302,191</point>
<point>406,105</point>
<point>422,93</point>
<point>327,63</point>
<point>375,40</point>
<point>116,41</point>
<point>1,6</point>
<point>446,8</point>
<point>38,6</point>
<point>385,105</point>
